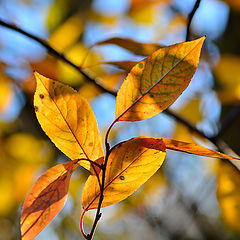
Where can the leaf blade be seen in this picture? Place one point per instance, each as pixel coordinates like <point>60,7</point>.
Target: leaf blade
<point>143,49</point>
<point>193,148</point>
<point>46,199</point>
<point>68,120</point>
<point>130,164</point>
<point>157,81</point>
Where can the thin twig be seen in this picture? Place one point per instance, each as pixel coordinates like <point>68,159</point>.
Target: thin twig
<point>231,116</point>
<point>190,17</point>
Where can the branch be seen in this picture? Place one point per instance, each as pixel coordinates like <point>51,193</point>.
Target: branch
<point>190,17</point>
<point>57,54</point>
<point>231,116</point>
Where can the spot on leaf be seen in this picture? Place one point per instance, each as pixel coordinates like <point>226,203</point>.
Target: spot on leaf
<point>140,65</point>
<point>41,96</point>
<point>122,177</point>
<point>35,108</point>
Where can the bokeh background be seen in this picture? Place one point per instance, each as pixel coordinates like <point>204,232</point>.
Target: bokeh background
<point>190,197</point>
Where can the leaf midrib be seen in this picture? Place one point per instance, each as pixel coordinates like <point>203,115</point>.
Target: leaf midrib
<point>64,119</point>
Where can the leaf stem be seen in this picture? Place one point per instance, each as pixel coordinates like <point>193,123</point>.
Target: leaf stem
<point>190,17</point>
<point>81,224</point>
<point>92,162</point>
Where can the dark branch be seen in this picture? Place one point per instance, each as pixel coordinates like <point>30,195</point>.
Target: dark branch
<point>190,17</point>
<point>231,116</point>
<point>57,54</point>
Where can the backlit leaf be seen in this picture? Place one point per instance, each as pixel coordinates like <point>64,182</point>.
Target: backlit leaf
<point>144,49</point>
<point>228,194</point>
<point>67,119</point>
<point>193,148</point>
<point>130,164</point>
<point>45,199</point>
<point>228,75</point>
<point>157,81</point>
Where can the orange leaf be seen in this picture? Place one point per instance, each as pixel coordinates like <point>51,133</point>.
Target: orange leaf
<point>193,148</point>
<point>144,49</point>
<point>68,120</point>
<point>130,165</point>
<point>157,81</point>
<point>46,199</point>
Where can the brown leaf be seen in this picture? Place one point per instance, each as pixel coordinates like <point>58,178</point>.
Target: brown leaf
<point>143,49</point>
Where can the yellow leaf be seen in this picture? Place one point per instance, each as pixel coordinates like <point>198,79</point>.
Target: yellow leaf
<point>67,119</point>
<point>193,148</point>
<point>228,194</point>
<point>26,148</point>
<point>145,11</point>
<point>228,75</point>
<point>144,49</point>
<point>130,164</point>
<point>157,81</point>
<point>72,28</point>
<point>6,90</point>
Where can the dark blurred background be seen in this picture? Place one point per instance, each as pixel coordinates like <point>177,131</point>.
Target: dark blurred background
<point>190,197</point>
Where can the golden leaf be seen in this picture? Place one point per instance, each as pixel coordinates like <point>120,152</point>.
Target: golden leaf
<point>193,148</point>
<point>157,81</point>
<point>67,119</point>
<point>130,164</point>
<point>228,194</point>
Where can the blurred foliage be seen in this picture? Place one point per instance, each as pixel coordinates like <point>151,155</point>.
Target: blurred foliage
<point>105,38</point>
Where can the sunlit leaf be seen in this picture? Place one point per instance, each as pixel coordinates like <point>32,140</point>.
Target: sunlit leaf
<point>157,81</point>
<point>24,147</point>
<point>145,11</point>
<point>72,28</point>
<point>45,199</point>
<point>228,75</point>
<point>80,56</point>
<point>130,164</point>
<point>228,194</point>
<point>144,49</point>
<point>67,119</point>
<point>193,148</point>
<point>6,90</point>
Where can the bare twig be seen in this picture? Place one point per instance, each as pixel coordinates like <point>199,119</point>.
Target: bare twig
<point>190,17</point>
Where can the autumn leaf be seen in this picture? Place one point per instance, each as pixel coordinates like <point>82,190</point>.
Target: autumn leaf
<point>143,49</point>
<point>46,199</point>
<point>228,195</point>
<point>157,81</point>
<point>193,148</point>
<point>130,164</point>
<point>68,120</point>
